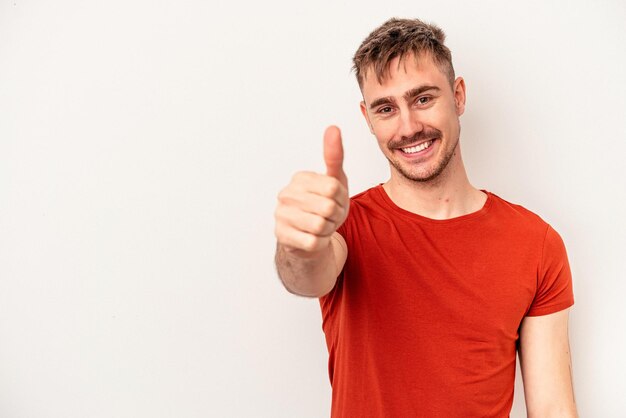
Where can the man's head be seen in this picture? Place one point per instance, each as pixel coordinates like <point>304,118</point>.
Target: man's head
<point>398,38</point>
<point>411,100</point>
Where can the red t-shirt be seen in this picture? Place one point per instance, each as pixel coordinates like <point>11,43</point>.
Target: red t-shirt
<point>424,318</point>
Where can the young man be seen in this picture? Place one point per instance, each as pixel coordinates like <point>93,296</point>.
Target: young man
<point>427,285</point>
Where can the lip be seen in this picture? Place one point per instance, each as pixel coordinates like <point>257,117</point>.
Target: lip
<point>421,153</point>
<point>417,143</point>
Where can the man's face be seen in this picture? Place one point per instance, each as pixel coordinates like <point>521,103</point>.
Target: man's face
<point>414,115</point>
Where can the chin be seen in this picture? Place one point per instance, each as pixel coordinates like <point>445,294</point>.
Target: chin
<point>420,176</point>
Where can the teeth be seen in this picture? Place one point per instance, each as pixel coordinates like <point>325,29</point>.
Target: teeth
<point>418,148</point>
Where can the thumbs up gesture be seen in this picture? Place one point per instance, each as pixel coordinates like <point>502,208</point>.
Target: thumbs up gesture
<point>314,205</point>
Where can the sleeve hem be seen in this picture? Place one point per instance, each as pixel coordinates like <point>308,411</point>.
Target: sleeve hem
<point>550,309</point>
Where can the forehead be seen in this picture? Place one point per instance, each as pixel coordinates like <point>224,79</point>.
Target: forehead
<point>401,75</point>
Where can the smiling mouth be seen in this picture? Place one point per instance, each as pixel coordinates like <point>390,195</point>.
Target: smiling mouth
<point>418,148</point>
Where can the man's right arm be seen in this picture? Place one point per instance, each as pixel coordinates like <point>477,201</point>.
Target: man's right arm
<point>310,253</point>
<point>315,275</point>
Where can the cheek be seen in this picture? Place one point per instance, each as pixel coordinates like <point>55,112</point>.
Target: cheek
<point>383,130</point>
<point>436,117</point>
<point>444,120</point>
<point>383,136</point>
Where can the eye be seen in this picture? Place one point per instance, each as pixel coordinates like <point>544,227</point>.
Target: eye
<point>386,109</point>
<point>423,100</point>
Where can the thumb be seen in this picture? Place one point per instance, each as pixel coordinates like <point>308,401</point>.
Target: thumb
<point>333,154</point>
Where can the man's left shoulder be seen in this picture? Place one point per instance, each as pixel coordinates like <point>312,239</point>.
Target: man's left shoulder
<point>516,215</point>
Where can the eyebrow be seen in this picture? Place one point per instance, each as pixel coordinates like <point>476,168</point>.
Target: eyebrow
<point>407,96</point>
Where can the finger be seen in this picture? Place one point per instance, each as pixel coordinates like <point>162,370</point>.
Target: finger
<point>333,154</point>
<point>320,184</point>
<point>316,204</point>
<point>295,240</point>
<point>292,217</point>
<point>320,205</point>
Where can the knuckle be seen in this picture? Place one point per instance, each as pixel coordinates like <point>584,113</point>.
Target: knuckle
<point>279,233</point>
<point>311,243</point>
<point>333,187</point>
<point>300,176</point>
<point>318,226</point>
<point>328,209</point>
<point>287,194</point>
<point>279,212</point>
<point>283,194</point>
<point>344,213</point>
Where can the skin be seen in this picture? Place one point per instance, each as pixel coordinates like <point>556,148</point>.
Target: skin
<point>545,362</point>
<point>436,185</point>
<point>309,252</point>
<point>414,103</point>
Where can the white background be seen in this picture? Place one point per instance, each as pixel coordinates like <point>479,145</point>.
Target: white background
<point>142,145</point>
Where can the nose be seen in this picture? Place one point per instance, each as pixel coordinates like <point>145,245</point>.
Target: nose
<point>410,124</point>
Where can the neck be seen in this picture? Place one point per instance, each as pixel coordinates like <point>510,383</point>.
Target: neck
<point>447,196</point>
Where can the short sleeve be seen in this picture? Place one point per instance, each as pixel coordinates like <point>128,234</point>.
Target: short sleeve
<point>554,278</point>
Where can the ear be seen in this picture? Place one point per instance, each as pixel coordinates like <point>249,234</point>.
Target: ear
<point>459,95</point>
<point>366,116</point>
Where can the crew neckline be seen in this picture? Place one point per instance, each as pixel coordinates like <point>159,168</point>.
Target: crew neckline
<point>468,216</point>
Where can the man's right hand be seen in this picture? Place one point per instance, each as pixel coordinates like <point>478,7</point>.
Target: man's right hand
<point>313,206</point>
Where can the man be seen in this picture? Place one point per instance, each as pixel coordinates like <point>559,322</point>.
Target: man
<point>427,285</point>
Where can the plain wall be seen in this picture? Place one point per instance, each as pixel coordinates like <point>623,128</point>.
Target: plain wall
<point>142,146</point>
